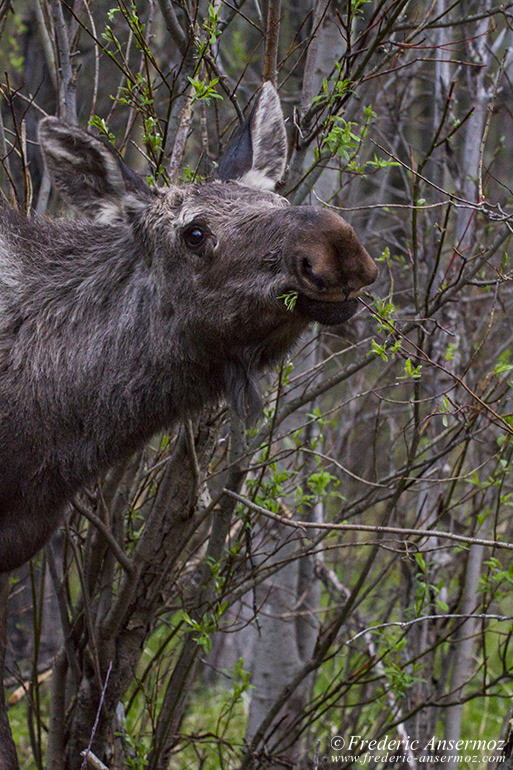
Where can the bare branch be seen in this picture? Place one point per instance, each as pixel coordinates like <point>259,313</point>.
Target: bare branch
<point>173,25</point>
<point>67,85</point>
<point>272,39</point>
<point>369,527</point>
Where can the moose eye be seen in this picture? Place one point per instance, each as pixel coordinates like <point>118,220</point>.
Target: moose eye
<point>194,236</point>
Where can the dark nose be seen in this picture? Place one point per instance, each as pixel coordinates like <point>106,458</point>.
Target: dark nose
<point>336,262</point>
<point>324,254</point>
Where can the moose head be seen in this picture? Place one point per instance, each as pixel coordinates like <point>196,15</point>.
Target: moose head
<point>152,304</point>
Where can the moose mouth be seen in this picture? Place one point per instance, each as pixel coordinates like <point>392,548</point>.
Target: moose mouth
<point>324,312</point>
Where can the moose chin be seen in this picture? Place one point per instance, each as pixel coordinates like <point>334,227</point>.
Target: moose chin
<point>150,305</point>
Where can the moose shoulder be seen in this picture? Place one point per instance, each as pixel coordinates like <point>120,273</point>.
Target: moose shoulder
<point>153,304</point>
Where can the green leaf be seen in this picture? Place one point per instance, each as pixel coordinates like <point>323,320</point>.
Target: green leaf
<point>289,300</point>
<point>379,349</point>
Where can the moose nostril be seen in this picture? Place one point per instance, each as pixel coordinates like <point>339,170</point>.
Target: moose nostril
<point>306,267</point>
<point>310,275</point>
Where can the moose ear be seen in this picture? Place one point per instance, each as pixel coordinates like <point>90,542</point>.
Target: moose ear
<point>257,153</point>
<point>87,174</point>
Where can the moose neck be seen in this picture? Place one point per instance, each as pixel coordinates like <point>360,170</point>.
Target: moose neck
<point>97,359</point>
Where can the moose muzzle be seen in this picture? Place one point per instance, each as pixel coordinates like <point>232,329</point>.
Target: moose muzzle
<point>329,266</point>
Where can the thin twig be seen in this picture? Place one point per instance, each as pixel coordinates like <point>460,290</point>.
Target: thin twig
<point>423,618</point>
<point>87,753</point>
<point>46,40</point>
<point>5,162</point>
<point>387,530</point>
<point>120,555</point>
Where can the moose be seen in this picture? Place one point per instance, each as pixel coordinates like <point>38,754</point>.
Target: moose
<point>151,305</point>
